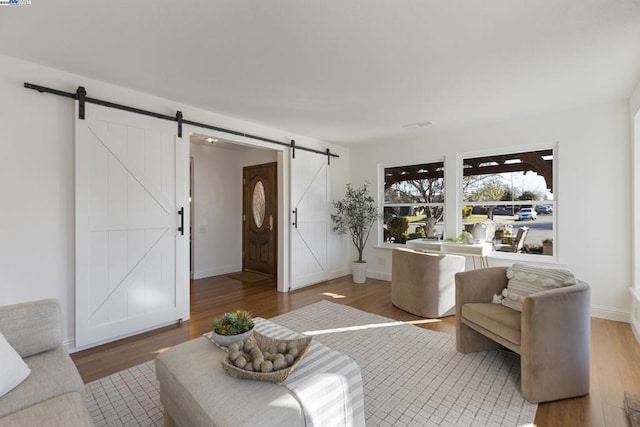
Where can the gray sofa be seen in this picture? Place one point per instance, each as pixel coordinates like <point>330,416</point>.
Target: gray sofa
<point>52,395</point>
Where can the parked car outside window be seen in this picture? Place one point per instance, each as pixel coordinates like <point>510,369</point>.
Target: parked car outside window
<point>526,213</point>
<point>544,209</point>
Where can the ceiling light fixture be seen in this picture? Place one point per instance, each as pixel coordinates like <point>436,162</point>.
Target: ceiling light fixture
<point>211,140</point>
<point>418,125</point>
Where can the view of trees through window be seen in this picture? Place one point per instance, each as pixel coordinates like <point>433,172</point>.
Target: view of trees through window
<point>513,192</point>
<point>413,202</point>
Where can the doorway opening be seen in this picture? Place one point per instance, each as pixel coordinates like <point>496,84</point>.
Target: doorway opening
<point>219,211</point>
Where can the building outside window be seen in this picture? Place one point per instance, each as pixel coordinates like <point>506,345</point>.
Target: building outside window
<point>514,193</point>
<point>413,199</point>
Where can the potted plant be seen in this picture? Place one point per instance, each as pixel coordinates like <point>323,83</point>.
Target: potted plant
<point>547,247</point>
<point>232,327</point>
<point>355,214</point>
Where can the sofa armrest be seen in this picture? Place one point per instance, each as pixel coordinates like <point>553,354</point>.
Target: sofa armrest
<point>555,342</point>
<point>32,327</point>
<point>557,315</point>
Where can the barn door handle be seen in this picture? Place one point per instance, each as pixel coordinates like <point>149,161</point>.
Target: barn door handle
<point>295,218</point>
<point>181,228</point>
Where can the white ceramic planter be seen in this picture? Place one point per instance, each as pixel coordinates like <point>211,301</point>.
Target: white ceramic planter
<point>225,340</point>
<point>359,272</point>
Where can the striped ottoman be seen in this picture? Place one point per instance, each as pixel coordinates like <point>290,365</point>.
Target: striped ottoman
<point>324,389</point>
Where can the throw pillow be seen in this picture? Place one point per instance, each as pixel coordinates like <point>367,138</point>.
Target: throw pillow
<point>525,280</point>
<point>14,370</point>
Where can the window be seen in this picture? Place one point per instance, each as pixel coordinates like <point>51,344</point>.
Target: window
<point>513,191</point>
<point>413,202</point>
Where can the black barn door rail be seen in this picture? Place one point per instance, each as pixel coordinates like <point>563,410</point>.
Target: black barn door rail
<point>81,96</point>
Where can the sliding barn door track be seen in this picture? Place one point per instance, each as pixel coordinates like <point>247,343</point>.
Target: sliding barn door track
<point>80,95</point>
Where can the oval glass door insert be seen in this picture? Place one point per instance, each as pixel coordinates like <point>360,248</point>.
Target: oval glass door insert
<point>258,204</point>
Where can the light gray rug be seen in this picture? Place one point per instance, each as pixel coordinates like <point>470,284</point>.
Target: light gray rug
<point>126,398</point>
<point>416,377</point>
<point>412,376</point>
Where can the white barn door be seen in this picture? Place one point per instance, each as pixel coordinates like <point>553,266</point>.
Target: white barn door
<point>310,202</point>
<point>130,175</point>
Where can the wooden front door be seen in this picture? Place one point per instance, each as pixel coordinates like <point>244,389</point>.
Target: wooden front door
<point>259,230</point>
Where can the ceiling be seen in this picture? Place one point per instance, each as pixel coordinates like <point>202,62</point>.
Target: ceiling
<point>346,71</point>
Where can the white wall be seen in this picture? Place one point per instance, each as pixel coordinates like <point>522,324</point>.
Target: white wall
<point>217,204</point>
<point>593,192</point>
<point>37,183</point>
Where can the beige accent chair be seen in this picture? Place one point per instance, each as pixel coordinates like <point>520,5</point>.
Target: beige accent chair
<point>423,283</point>
<point>551,335</point>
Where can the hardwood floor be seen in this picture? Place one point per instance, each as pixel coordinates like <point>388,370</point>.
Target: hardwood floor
<point>615,353</point>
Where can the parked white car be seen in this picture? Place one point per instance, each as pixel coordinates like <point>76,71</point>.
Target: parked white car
<point>527,213</point>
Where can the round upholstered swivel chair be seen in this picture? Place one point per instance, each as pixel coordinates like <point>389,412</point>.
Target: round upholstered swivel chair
<point>423,283</point>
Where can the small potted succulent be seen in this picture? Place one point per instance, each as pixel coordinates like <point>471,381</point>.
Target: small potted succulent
<point>547,247</point>
<point>232,327</point>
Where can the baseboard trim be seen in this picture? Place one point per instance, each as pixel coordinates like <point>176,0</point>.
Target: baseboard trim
<point>69,344</point>
<point>635,330</point>
<point>216,271</point>
<point>611,313</point>
<point>380,275</point>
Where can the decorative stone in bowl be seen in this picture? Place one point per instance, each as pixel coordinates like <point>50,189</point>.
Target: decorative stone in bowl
<point>265,358</point>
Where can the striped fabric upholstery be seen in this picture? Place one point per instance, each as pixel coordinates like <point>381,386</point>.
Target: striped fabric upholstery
<point>327,383</point>
<point>525,280</point>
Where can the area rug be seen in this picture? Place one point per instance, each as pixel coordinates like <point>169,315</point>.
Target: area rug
<point>127,398</point>
<point>249,276</point>
<point>412,376</point>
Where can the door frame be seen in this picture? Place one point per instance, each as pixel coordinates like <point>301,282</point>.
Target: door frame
<point>283,172</point>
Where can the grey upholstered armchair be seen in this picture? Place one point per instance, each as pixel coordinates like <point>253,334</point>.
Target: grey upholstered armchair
<point>551,334</point>
<point>423,283</point>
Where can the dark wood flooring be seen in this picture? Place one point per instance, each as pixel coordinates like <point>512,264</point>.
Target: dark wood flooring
<point>615,353</point>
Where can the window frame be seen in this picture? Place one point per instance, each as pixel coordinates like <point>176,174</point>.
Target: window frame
<point>554,147</point>
<point>381,195</point>
<point>453,199</point>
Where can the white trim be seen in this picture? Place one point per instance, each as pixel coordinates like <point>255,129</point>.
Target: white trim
<point>389,246</point>
<point>610,313</point>
<point>635,192</point>
<point>380,275</point>
<point>380,190</point>
<point>283,178</point>
<point>201,274</point>
<point>544,260</point>
<point>69,344</point>
<point>636,332</point>
<point>555,147</point>
<point>341,272</point>
<point>635,312</point>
